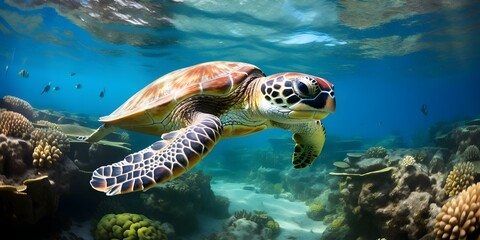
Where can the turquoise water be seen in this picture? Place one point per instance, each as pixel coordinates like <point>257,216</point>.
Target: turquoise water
<point>384,66</point>
<point>386,59</point>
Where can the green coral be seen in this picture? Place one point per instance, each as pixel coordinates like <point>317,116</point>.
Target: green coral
<point>128,226</point>
<point>316,211</point>
<point>471,153</point>
<point>419,156</point>
<point>377,152</point>
<point>261,218</point>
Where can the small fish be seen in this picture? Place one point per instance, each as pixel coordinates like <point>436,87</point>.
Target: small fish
<point>6,71</point>
<point>24,73</point>
<point>56,88</point>
<point>46,89</point>
<point>72,74</point>
<point>78,86</point>
<point>424,109</point>
<point>102,93</point>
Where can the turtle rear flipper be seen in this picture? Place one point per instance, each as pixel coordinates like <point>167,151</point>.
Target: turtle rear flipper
<point>309,141</point>
<point>176,153</point>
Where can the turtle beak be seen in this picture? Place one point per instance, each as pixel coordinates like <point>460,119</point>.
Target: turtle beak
<point>330,105</point>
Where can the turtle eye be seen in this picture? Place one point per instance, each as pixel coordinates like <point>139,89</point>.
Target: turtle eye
<point>304,88</point>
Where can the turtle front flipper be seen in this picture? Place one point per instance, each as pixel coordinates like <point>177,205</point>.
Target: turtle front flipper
<point>309,139</point>
<point>100,133</point>
<point>176,153</point>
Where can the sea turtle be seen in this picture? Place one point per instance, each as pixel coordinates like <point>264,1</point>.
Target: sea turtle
<point>194,107</point>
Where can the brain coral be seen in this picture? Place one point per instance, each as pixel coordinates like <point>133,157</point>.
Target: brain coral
<point>128,226</point>
<point>459,178</point>
<point>17,105</point>
<point>376,152</point>
<point>459,218</point>
<point>15,125</point>
<point>471,153</point>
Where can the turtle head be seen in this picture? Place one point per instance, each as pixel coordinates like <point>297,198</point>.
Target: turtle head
<point>297,97</point>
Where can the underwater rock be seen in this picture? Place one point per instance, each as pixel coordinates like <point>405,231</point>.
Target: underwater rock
<point>180,201</point>
<point>459,138</point>
<point>304,185</point>
<point>406,216</point>
<point>28,203</point>
<point>15,157</point>
<point>89,156</point>
<point>244,225</point>
<point>395,204</point>
<point>59,118</point>
<point>369,165</point>
<point>354,157</point>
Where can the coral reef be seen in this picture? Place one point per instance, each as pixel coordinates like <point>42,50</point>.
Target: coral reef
<point>50,146</point>
<point>18,105</point>
<point>15,125</point>
<point>471,153</point>
<point>128,226</point>
<point>179,201</point>
<point>458,138</point>
<point>460,216</point>
<point>419,156</point>
<point>407,161</point>
<point>46,155</point>
<point>15,155</point>
<point>377,152</point>
<point>394,204</point>
<point>47,124</point>
<point>27,203</point>
<point>459,178</point>
<point>244,225</point>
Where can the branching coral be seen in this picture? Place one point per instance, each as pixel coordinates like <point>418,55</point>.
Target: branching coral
<point>49,125</point>
<point>471,153</point>
<point>376,152</point>
<point>460,217</point>
<point>50,145</point>
<point>45,155</point>
<point>15,125</point>
<point>459,178</point>
<point>17,105</point>
<point>128,226</point>
<point>407,161</point>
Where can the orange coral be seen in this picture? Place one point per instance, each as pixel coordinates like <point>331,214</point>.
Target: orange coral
<point>15,125</point>
<point>17,105</point>
<point>50,145</point>
<point>459,217</point>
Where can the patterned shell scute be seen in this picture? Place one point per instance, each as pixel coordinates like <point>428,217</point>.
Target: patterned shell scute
<point>158,98</point>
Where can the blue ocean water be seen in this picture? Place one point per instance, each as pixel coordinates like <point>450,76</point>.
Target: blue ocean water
<point>383,69</point>
<point>386,59</point>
